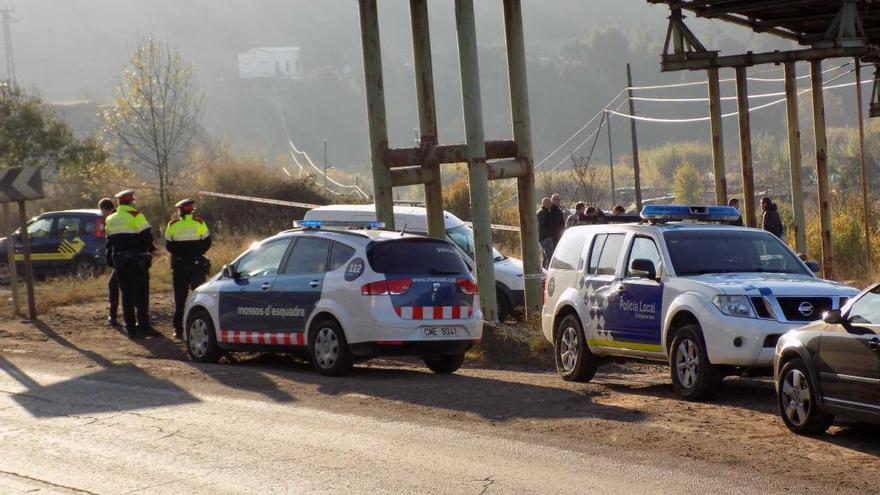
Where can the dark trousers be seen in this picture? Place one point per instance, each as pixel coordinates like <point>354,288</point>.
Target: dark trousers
<point>547,248</point>
<point>132,272</point>
<point>113,294</point>
<point>185,275</point>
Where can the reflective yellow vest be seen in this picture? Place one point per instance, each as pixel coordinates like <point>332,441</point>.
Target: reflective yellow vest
<point>186,228</point>
<point>126,220</point>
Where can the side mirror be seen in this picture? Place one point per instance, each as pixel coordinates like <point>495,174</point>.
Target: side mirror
<point>813,266</point>
<point>229,271</point>
<point>643,268</point>
<point>833,317</point>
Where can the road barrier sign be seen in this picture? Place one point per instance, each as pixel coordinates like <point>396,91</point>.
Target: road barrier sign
<point>20,184</point>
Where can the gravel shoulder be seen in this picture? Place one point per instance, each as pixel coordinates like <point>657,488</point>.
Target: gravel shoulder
<point>628,414</point>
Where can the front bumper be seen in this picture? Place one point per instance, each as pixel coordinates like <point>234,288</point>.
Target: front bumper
<point>743,342</point>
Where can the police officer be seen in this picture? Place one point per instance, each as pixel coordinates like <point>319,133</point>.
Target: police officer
<point>108,208</point>
<point>187,239</point>
<point>129,250</point>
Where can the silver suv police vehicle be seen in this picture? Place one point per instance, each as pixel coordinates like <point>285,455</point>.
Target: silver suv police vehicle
<point>708,298</point>
<point>336,296</point>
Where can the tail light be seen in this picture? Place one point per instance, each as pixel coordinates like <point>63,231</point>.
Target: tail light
<point>467,286</point>
<point>387,287</point>
<point>99,227</point>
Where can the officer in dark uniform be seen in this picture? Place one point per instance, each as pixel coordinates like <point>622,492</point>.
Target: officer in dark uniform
<point>187,238</point>
<point>129,250</point>
<point>108,208</point>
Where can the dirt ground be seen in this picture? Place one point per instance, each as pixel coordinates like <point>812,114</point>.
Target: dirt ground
<point>629,408</point>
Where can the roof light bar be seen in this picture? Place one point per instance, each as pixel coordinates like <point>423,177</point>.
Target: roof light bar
<point>350,224</point>
<point>673,213</point>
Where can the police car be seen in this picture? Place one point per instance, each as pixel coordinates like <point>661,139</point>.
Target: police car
<point>337,295</point>
<point>681,287</point>
<point>69,241</point>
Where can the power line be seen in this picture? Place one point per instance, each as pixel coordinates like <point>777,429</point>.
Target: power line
<point>729,79</point>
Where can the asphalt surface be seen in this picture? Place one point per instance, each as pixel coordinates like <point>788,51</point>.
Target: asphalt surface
<point>128,433</point>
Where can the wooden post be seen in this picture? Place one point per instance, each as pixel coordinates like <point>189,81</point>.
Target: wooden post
<point>424,74</point>
<point>375,90</point>
<point>611,161</point>
<point>794,153</point>
<point>637,183</point>
<point>745,146</point>
<point>822,168</point>
<point>717,137</point>
<point>478,174</point>
<point>866,205</point>
<point>522,134</point>
<point>9,221</point>
<point>28,267</point>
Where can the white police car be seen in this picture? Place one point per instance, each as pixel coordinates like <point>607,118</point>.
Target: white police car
<point>709,299</point>
<point>336,296</point>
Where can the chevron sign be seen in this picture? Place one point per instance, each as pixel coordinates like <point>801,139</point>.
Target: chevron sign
<point>20,184</point>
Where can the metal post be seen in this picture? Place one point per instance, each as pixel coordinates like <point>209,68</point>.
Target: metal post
<point>478,177</point>
<point>717,137</point>
<point>28,266</point>
<point>794,152</point>
<point>427,114</point>
<point>611,160</point>
<point>865,202</point>
<point>9,220</point>
<point>745,146</point>
<point>637,181</point>
<point>822,168</point>
<point>325,164</point>
<point>375,90</point>
<point>522,134</point>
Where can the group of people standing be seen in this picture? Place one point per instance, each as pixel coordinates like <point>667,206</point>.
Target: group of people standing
<point>553,220</point>
<point>130,251</point>
<point>770,219</point>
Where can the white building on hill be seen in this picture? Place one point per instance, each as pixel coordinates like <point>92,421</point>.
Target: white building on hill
<point>280,61</point>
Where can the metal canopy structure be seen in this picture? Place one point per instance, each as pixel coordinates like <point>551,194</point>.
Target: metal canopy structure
<point>825,29</point>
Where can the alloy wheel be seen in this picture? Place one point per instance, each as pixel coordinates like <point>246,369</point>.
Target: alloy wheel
<point>687,363</point>
<point>198,337</point>
<point>326,348</point>
<point>797,401</point>
<point>568,348</point>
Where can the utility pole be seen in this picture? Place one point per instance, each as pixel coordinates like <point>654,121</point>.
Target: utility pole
<point>611,160</point>
<point>637,182</point>
<point>325,163</point>
<point>6,19</point>
<point>866,204</point>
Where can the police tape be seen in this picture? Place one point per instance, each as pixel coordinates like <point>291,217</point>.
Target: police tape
<point>308,206</point>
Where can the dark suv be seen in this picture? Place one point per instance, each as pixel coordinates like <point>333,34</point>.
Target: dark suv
<point>831,367</point>
<point>70,241</point>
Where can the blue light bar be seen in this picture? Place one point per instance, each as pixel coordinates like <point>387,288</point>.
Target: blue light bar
<point>673,213</point>
<point>350,224</point>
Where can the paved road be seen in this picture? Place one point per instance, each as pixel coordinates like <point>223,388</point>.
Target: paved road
<point>73,429</point>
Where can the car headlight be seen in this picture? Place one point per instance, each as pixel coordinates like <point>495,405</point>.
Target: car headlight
<point>735,306</point>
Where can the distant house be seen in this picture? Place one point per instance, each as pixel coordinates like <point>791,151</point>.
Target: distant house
<point>280,61</point>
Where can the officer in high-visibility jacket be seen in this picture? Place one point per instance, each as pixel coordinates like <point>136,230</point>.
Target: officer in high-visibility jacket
<point>129,251</point>
<point>187,238</point>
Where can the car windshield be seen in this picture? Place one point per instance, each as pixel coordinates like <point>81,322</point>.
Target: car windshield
<point>463,237</point>
<point>696,252</point>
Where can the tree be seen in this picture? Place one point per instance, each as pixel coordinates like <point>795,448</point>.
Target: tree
<point>30,136</point>
<point>688,184</point>
<point>156,113</point>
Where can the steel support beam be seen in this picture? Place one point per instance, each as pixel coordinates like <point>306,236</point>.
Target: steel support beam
<point>866,204</point>
<point>446,153</point>
<point>478,177</point>
<point>424,74</point>
<point>375,91</point>
<point>691,62</point>
<point>507,169</point>
<point>410,176</point>
<point>637,181</point>
<point>717,137</point>
<point>745,146</point>
<point>795,162</point>
<point>822,168</point>
<point>522,135</point>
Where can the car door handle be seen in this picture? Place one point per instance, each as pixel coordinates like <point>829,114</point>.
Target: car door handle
<point>874,344</point>
<point>266,286</point>
<point>314,283</point>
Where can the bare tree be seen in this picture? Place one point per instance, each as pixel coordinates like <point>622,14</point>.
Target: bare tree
<point>156,113</point>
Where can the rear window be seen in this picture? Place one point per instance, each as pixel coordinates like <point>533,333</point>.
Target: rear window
<point>569,250</point>
<point>415,257</point>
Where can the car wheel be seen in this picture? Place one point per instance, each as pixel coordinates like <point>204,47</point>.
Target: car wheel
<point>574,361</point>
<point>797,400</point>
<point>504,306</point>
<point>443,365</point>
<point>694,377</point>
<point>329,350</point>
<point>201,340</point>
<point>85,269</point>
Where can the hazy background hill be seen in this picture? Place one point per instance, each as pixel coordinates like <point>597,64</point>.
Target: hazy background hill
<point>74,50</point>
